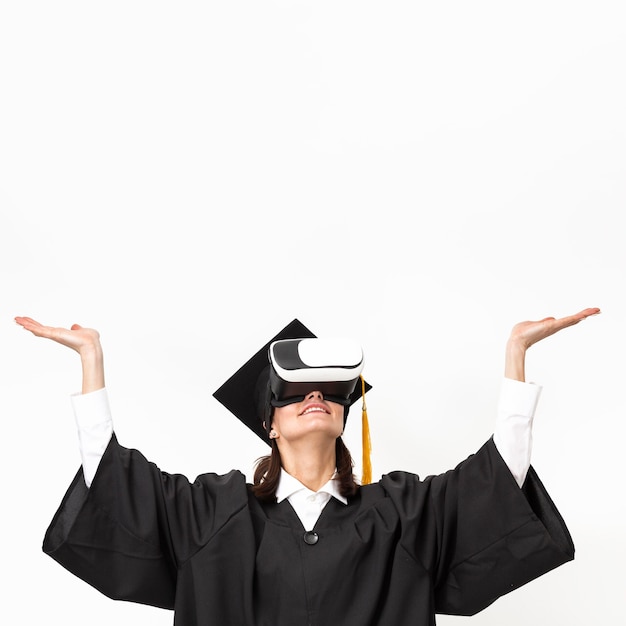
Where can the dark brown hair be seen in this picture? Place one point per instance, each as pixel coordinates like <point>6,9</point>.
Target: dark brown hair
<point>267,473</point>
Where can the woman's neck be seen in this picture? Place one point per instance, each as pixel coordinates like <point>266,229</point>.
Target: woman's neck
<point>313,466</point>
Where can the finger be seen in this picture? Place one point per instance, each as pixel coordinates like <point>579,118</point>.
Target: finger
<point>25,320</point>
<point>581,315</point>
<point>571,320</point>
<point>39,330</point>
<point>590,311</point>
<point>28,323</point>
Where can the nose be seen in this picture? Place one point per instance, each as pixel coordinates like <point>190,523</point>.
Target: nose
<point>315,395</point>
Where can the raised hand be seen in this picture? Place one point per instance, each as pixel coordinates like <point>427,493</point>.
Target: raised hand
<point>75,337</point>
<point>525,334</point>
<point>85,341</point>
<point>528,333</point>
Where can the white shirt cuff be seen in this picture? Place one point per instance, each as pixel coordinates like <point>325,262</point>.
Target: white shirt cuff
<point>513,432</point>
<point>95,427</point>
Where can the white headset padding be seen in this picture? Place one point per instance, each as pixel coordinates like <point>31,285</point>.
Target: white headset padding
<point>322,360</point>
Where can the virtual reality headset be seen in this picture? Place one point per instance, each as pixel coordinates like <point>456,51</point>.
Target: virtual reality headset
<point>299,366</point>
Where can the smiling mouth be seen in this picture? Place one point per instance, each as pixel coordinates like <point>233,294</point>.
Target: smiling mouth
<point>314,409</point>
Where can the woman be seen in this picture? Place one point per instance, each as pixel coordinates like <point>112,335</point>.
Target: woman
<point>316,549</point>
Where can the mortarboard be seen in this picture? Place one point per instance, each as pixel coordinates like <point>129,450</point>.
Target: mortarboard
<point>239,394</point>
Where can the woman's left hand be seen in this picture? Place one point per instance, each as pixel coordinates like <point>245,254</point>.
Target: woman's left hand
<point>525,334</point>
<point>528,333</point>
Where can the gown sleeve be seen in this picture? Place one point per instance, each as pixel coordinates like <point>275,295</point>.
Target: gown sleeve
<point>130,531</point>
<point>479,534</point>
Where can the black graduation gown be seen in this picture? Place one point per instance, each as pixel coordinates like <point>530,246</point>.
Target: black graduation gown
<point>402,549</point>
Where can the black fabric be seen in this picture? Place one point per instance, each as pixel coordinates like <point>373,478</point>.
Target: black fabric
<point>400,551</point>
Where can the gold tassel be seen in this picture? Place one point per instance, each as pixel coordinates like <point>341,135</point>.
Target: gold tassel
<point>367,443</point>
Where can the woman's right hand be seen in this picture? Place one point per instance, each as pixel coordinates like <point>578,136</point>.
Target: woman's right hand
<point>76,337</point>
<point>85,341</point>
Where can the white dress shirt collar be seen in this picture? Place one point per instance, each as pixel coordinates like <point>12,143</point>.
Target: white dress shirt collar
<point>288,486</point>
<point>307,504</point>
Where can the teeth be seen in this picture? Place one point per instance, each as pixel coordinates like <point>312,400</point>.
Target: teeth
<point>313,408</point>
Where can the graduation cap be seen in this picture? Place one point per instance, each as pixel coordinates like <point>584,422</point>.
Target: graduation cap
<point>287,367</point>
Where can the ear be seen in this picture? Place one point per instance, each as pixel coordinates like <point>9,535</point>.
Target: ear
<point>271,433</point>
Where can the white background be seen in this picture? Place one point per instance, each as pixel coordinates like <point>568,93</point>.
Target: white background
<point>189,177</point>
